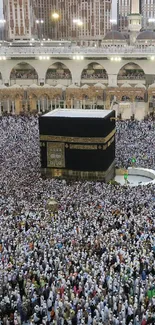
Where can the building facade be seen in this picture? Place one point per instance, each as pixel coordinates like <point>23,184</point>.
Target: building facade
<point>83,19</point>
<point>95,78</point>
<point>43,12</point>
<point>96,17</point>
<point>148,13</point>
<point>123,10</point>
<point>20,20</point>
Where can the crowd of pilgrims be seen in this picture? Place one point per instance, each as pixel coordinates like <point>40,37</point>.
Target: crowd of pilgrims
<point>93,261</point>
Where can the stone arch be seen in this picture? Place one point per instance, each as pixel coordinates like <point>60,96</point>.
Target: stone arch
<point>72,96</point>
<point>94,71</point>
<point>57,96</point>
<point>32,102</point>
<point>152,98</point>
<point>85,96</point>
<point>43,103</point>
<point>139,98</point>
<point>32,95</point>
<point>58,72</point>
<point>99,97</point>
<point>17,95</point>
<point>125,98</point>
<point>44,95</point>
<point>151,101</point>
<point>23,71</point>
<point>19,103</point>
<point>130,72</point>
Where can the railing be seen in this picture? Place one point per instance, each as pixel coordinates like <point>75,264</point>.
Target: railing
<point>58,77</point>
<point>131,77</point>
<point>24,77</point>
<point>94,77</point>
<point>64,51</point>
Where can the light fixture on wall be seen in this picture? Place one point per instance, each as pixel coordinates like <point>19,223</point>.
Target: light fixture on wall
<point>116,59</point>
<point>78,57</point>
<point>44,58</point>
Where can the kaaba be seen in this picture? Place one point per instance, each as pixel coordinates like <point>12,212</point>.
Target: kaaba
<point>78,144</point>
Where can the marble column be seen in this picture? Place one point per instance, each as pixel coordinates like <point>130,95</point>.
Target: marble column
<point>39,106</point>
<point>43,104</point>
<point>8,106</point>
<point>112,80</point>
<point>13,107</point>
<point>51,105</point>
<point>133,108</point>
<point>84,104</point>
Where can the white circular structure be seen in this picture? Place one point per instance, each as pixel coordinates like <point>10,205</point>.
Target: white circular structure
<point>137,176</point>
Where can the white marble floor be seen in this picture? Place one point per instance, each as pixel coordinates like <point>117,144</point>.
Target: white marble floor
<point>133,180</point>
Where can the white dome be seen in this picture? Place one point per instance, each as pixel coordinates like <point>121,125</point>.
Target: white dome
<point>99,85</point>
<point>15,86</point>
<point>139,85</point>
<point>3,86</point>
<point>85,86</point>
<point>34,86</point>
<point>152,86</point>
<point>114,35</point>
<point>47,86</point>
<point>73,86</point>
<point>59,86</point>
<point>126,85</point>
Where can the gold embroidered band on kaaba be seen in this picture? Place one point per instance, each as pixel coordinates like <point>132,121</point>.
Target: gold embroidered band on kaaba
<point>89,146</point>
<point>55,138</point>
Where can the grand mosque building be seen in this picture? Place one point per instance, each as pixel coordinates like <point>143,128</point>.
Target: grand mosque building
<point>117,73</point>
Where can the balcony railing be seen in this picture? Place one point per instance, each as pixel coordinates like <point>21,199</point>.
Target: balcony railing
<point>136,77</point>
<point>69,51</point>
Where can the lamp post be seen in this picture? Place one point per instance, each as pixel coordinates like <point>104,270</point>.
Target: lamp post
<point>39,23</point>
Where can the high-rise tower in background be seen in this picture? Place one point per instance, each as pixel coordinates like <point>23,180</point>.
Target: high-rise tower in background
<point>83,19</point>
<point>123,10</point>
<point>43,12</point>
<point>20,20</point>
<point>148,13</point>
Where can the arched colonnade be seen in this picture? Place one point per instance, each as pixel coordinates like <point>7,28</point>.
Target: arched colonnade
<point>67,72</point>
<point>39,99</point>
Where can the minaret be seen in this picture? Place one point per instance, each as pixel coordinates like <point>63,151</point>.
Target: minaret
<point>135,6</point>
<point>134,21</point>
